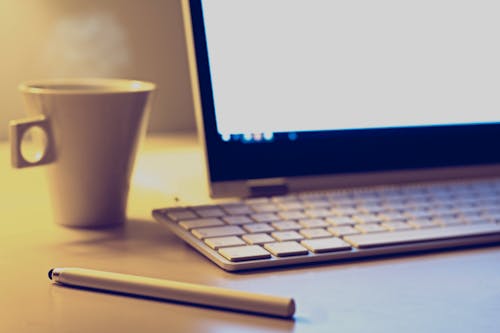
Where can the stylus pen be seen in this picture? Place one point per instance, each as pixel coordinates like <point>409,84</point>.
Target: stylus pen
<point>175,291</point>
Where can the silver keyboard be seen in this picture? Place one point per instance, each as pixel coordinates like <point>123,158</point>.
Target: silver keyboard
<point>340,224</point>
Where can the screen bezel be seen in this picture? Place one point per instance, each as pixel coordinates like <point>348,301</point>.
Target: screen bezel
<point>334,152</point>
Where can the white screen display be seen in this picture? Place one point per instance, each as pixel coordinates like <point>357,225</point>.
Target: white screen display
<point>290,65</point>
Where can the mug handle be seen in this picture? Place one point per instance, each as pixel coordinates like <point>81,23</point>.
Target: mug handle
<point>17,130</point>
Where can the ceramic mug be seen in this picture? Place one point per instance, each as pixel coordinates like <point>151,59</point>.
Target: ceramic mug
<point>90,130</point>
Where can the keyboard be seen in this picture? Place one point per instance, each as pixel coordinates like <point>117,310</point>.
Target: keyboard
<point>339,224</point>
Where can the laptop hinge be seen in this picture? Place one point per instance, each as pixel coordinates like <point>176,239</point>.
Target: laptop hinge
<point>267,187</point>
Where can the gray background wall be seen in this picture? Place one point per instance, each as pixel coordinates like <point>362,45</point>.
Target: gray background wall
<point>111,38</point>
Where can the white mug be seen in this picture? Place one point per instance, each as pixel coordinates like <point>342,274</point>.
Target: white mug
<point>91,129</point>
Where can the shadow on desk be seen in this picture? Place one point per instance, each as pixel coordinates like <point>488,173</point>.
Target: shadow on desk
<point>140,247</point>
<point>138,232</point>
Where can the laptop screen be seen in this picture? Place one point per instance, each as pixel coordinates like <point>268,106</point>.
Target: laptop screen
<point>293,66</point>
<point>292,88</point>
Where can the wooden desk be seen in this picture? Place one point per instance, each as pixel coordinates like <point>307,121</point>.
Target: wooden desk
<point>455,291</point>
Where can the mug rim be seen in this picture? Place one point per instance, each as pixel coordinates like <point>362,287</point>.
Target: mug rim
<point>83,86</point>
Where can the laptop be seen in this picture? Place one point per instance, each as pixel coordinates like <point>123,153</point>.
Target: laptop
<point>341,130</point>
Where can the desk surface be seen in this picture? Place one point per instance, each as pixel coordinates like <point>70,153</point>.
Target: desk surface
<point>456,291</point>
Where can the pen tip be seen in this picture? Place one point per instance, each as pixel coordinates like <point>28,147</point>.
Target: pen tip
<point>50,273</point>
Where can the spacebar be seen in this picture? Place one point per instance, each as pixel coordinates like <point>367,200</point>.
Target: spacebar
<point>422,235</point>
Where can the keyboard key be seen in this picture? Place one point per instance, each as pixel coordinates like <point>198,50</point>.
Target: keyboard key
<point>258,227</point>
<point>423,223</point>
<point>319,212</point>
<point>341,201</point>
<point>340,221</point>
<point>237,209</point>
<point>237,219</point>
<point>200,223</point>
<point>371,208</point>
<point>464,210</point>
<point>242,253</point>
<point>325,245</point>
<point>265,208</point>
<point>344,211</point>
<point>418,214</point>
<point>448,220</point>
<point>443,212</point>
<point>493,212</point>
<point>283,236</point>
<point>478,219</point>
<point>209,212</point>
<point>491,206</point>
<point>292,215</point>
<point>392,216</point>
<point>229,230</point>
<point>367,218</point>
<point>431,234</point>
<point>395,226</point>
<point>295,205</point>
<point>313,223</point>
<point>218,242</point>
<point>253,239</point>
<point>315,233</point>
<point>286,225</point>
<point>369,228</point>
<point>343,231</point>
<point>307,197</point>
<point>265,217</point>
<point>366,197</point>
<point>178,214</point>
<point>284,249</point>
<point>315,204</point>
